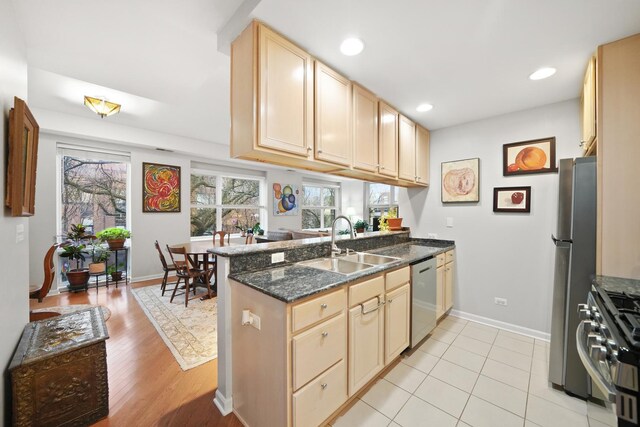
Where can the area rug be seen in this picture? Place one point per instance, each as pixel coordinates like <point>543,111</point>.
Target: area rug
<point>191,333</point>
<point>66,309</point>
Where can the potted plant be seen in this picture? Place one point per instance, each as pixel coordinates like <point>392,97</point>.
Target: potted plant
<point>360,226</point>
<point>257,230</point>
<point>115,273</point>
<point>114,236</point>
<point>73,249</point>
<point>393,221</point>
<point>99,257</point>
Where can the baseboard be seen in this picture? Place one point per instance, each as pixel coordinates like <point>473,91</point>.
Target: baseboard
<point>224,405</point>
<point>502,325</point>
<point>143,278</point>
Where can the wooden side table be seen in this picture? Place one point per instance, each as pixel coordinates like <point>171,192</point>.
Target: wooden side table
<point>59,371</point>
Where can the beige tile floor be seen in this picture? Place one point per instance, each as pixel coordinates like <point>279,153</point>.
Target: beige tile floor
<point>470,374</point>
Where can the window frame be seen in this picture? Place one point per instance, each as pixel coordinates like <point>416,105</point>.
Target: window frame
<point>219,206</point>
<point>322,185</point>
<point>393,200</point>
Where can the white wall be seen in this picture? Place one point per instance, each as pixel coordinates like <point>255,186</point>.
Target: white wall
<point>14,287</point>
<point>353,197</point>
<point>498,255</point>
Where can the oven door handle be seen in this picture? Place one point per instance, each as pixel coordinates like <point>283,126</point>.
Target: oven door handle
<point>607,389</point>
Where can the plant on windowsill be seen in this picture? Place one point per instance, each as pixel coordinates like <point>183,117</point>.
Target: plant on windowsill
<point>390,221</point>
<point>360,226</point>
<point>73,249</point>
<point>257,230</point>
<point>114,236</point>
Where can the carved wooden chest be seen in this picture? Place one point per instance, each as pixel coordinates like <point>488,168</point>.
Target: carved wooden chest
<point>59,371</point>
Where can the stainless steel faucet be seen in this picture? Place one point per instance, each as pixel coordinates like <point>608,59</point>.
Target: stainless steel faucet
<point>335,250</point>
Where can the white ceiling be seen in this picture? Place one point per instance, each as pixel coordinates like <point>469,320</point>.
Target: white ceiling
<point>469,58</point>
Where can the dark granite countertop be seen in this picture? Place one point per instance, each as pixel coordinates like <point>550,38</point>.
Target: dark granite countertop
<point>618,284</point>
<point>293,282</point>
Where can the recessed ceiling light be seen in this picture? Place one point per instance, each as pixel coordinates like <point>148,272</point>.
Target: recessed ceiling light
<point>542,73</point>
<point>351,46</point>
<point>424,107</point>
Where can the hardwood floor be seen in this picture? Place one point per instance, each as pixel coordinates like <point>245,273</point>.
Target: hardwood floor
<point>147,387</point>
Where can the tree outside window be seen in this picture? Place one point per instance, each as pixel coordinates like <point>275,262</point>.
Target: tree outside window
<point>380,198</point>
<point>319,205</point>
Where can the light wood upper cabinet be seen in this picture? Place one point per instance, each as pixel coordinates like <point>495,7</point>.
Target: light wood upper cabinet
<point>332,116</point>
<point>407,149</point>
<point>365,129</point>
<point>388,140</point>
<point>422,155</point>
<point>588,104</point>
<point>397,326</point>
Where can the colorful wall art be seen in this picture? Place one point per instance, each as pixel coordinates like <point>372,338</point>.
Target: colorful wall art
<point>160,188</point>
<point>526,157</point>
<point>285,199</point>
<point>461,181</point>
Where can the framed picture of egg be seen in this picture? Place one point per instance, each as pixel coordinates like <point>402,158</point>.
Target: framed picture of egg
<point>527,157</point>
<point>512,199</point>
<point>285,199</point>
<point>461,181</point>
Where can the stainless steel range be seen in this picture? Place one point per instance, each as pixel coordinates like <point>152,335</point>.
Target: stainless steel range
<point>608,343</point>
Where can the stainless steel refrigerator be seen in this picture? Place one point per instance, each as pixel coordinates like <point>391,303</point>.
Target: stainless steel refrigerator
<point>575,264</point>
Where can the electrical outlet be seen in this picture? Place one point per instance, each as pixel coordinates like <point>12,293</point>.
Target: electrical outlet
<point>255,321</point>
<point>500,301</point>
<point>277,257</point>
<point>432,235</point>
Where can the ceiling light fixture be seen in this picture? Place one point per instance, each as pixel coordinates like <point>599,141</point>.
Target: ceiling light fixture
<point>542,73</point>
<point>351,46</point>
<point>101,106</point>
<point>422,108</point>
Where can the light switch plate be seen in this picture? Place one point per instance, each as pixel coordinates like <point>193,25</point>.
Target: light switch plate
<point>19,233</point>
<point>450,222</point>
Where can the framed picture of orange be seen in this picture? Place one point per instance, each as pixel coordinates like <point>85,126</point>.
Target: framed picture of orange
<point>160,188</point>
<point>527,157</point>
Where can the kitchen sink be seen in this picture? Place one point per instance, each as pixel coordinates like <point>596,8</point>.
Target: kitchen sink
<point>336,265</point>
<point>366,258</point>
<point>349,264</point>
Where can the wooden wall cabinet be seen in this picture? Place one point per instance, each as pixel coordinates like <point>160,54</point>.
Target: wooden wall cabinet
<point>332,116</point>
<point>388,140</point>
<point>407,149</point>
<point>422,155</point>
<point>588,106</point>
<point>365,130</point>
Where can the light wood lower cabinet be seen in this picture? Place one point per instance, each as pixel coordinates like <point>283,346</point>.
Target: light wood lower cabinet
<point>444,283</point>
<point>310,357</point>
<point>440,290</point>
<point>448,286</point>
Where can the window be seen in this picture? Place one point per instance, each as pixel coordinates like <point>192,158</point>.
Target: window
<point>320,204</point>
<point>225,203</point>
<point>379,198</point>
<point>93,189</point>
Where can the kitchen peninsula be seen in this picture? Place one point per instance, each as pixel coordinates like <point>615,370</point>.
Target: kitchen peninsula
<point>311,337</point>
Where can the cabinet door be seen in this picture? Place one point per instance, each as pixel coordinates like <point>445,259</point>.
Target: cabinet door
<point>588,101</point>
<point>440,291</point>
<point>333,116</point>
<point>365,129</point>
<point>286,95</point>
<point>366,343</point>
<point>388,140</point>
<point>407,149</point>
<point>448,285</point>
<point>422,155</point>
<point>396,318</point>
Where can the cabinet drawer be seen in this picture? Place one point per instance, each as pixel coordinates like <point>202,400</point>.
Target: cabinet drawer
<point>317,349</point>
<point>440,260</point>
<point>313,311</point>
<point>313,403</point>
<point>449,256</point>
<point>397,278</point>
<point>366,290</point>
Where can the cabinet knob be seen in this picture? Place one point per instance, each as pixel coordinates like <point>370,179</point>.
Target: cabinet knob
<point>390,301</point>
<point>323,306</point>
<point>323,385</point>
<point>381,167</point>
<point>319,151</point>
<point>309,149</point>
<point>325,334</point>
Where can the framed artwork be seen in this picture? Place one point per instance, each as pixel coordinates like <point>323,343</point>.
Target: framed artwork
<point>461,181</point>
<point>22,160</point>
<point>285,199</point>
<point>512,199</point>
<point>160,188</point>
<point>526,157</point>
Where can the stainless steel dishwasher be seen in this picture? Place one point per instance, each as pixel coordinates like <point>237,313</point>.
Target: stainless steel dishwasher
<point>423,299</point>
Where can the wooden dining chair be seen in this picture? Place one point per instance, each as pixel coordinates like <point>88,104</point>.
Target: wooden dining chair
<point>49,275</point>
<point>222,235</point>
<point>187,271</point>
<point>165,267</point>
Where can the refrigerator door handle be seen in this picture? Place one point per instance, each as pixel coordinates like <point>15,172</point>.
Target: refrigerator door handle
<point>556,241</point>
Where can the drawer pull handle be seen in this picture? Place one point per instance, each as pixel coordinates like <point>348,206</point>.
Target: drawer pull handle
<point>323,385</point>
<point>325,334</point>
<point>376,308</point>
<point>323,306</point>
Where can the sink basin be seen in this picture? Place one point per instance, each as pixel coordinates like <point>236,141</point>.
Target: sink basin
<point>366,258</point>
<point>336,265</point>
